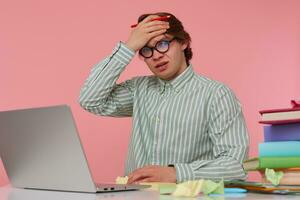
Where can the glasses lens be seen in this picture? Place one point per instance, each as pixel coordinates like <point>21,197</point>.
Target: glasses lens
<point>162,46</point>
<point>146,52</point>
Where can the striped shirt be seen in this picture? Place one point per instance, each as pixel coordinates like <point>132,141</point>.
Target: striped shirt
<point>192,122</point>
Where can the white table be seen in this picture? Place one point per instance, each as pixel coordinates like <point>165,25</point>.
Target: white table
<point>9,193</point>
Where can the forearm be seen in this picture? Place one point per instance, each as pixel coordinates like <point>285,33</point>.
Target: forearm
<point>225,168</point>
<point>102,79</point>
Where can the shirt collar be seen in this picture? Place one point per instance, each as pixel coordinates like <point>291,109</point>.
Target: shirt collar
<point>179,81</point>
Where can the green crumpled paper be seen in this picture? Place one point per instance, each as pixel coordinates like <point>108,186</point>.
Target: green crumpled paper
<point>210,187</point>
<point>273,177</point>
<point>193,188</point>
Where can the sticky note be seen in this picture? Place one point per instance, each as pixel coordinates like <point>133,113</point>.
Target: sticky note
<point>273,177</point>
<point>167,188</point>
<point>163,188</point>
<point>210,187</point>
<point>188,189</point>
<point>121,180</point>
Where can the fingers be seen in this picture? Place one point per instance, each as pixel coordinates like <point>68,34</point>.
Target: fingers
<point>149,18</point>
<point>156,22</point>
<point>156,28</point>
<point>148,23</point>
<point>158,38</point>
<point>140,174</point>
<point>156,33</point>
<point>146,180</point>
<point>153,173</point>
<point>137,177</point>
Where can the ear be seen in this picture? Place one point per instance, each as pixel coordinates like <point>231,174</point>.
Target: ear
<point>184,46</point>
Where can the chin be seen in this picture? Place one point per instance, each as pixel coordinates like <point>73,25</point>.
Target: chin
<point>166,78</point>
<point>165,75</point>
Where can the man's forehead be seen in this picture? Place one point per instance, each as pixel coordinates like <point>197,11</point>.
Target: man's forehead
<point>154,40</point>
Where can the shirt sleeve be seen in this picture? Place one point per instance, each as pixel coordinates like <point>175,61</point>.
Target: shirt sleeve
<point>228,133</point>
<point>100,94</point>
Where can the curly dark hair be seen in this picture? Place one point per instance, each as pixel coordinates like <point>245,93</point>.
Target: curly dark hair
<point>177,30</point>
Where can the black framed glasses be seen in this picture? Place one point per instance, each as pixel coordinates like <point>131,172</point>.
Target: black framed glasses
<point>161,46</point>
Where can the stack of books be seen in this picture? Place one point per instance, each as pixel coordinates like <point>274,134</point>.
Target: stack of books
<point>281,148</point>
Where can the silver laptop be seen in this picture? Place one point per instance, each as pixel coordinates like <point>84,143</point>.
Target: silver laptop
<point>40,149</point>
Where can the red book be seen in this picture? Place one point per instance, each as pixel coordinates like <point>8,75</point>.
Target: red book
<point>283,115</point>
<point>291,176</point>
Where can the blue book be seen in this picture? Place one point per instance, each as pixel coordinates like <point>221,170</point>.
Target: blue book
<point>278,149</point>
<point>286,132</point>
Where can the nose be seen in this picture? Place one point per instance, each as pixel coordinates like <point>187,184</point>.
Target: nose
<point>156,55</point>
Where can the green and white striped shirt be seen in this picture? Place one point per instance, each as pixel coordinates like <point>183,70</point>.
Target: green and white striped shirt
<point>192,122</point>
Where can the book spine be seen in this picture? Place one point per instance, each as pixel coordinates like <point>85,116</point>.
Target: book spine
<point>284,180</point>
<point>279,149</point>
<point>287,132</point>
<point>280,122</point>
<point>278,162</point>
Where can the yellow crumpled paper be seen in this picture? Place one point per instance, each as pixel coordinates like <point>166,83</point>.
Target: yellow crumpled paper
<point>185,189</point>
<point>188,188</point>
<point>121,180</point>
<point>193,188</point>
<point>273,177</point>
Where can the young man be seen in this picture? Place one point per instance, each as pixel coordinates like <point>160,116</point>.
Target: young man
<point>185,126</point>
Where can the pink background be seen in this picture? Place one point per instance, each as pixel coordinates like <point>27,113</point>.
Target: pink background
<point>47,49</point>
